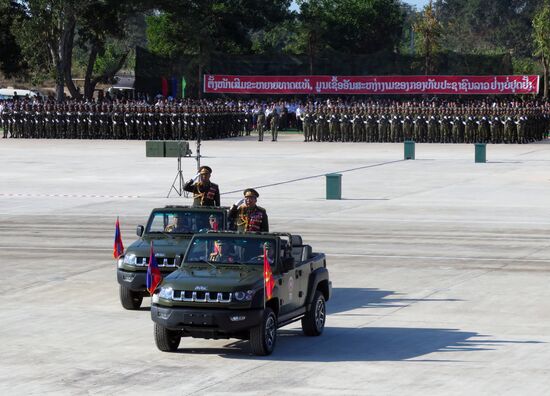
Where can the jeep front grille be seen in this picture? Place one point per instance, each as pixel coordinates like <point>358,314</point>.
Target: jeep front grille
<point>202,296</point>
<point>162,262</point>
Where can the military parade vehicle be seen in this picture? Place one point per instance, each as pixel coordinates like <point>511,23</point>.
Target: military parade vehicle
<point>220,290</point>
<point>169,229</point>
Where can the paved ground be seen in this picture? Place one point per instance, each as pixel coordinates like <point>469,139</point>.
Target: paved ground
<point>440,267</point>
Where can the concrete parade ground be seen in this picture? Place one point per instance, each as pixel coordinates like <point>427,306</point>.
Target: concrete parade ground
<point>440,269</point>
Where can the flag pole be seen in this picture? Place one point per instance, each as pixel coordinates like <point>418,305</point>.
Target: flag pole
<point>265,285</point>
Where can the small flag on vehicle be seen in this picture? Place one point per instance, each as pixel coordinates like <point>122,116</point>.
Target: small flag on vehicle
<point>154,277</point>
<point>269,283</point>
<point>118,247</point>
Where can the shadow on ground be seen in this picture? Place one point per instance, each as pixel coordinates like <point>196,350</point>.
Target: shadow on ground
<point>364,343</point>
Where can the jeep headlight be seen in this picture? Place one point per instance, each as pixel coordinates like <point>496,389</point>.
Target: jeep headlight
<point>167,293</point>
<point>244,295</point>
<point>130,259</point>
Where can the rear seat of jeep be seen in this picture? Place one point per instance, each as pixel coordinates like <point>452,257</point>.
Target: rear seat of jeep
<point>300,252</point>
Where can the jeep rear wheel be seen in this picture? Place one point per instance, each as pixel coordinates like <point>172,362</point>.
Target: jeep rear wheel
<point>313,323</point>
<point>129,298</point>
<point>166,340</point>
<point>264,336</point>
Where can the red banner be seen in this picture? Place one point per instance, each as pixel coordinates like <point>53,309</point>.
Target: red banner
<point>371,85</point>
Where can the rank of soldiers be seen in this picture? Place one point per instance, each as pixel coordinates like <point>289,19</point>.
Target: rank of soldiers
<point>425,125</point>
<point>352,122</point>
<point>135,121</point>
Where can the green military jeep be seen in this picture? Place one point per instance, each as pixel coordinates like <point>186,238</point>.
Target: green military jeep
<point>219,291</point>
<point>170,229</point>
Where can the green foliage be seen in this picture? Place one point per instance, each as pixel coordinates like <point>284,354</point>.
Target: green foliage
<point>525,65</point>
<point>541,36</point>
<point>276,40</point>
<point>430,31</point>
<point>11,57</point>
<point>202,27</point>
<point>161,35</point>
<point>489,25</point>
<point>541,31</point>
<point>349,26</point>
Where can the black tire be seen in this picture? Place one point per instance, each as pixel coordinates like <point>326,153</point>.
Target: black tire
<point>130,299</point>
<point>166,340</point>
<point>313,323</point>
<point>264,336</point>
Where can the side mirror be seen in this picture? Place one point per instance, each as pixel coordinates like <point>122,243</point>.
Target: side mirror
<point>288,264</point>
<point>139,231</point>
<point>177,260</point>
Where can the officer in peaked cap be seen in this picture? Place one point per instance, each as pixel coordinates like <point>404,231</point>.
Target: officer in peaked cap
<point>247,216</point>
<point>205,193</point>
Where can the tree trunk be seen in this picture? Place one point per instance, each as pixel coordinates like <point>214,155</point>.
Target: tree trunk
<point>311,46</point>
<point>107,74</point>
<point>545,65</point>
<point>68,56</point>
<point>64,48</point>
<point>88,88</point>
<point>199,88</point>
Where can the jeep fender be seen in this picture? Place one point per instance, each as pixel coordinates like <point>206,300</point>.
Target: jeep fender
<point>318,279</point>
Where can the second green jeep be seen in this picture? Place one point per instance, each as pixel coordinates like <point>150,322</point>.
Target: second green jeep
<point>169,229</point>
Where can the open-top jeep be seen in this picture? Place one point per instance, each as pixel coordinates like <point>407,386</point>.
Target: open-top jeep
<point>219,290</point>
<point>169,229</point>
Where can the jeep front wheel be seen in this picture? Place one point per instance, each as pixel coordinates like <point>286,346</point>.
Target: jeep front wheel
<point>166,340</point>
<point>130,299</point>
<point>264,336</point>
<point>313,322</point>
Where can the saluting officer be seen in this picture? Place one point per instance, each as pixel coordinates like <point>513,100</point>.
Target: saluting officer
<point>247,216</point>
<point>205,193</point>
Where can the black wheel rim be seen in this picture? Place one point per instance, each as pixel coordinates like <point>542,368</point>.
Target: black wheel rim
<point>270,332</point>
<point>320,314</point>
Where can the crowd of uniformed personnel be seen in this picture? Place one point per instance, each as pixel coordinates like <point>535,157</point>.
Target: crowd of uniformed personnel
<point>426,124</point>
<point>131,120</point>
<point>356,120</point>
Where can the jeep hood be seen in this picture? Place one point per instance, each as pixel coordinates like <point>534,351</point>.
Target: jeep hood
<point>224,278</point>
<point>167,247</point>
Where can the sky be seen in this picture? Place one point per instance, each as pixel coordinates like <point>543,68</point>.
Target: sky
<point>419,4</point>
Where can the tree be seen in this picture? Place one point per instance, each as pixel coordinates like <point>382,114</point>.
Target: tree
<point>49,26</point>
<point>541,36</point>
<point>48,31</point>
<point>488,26</point>
<point>11,58</point>
<point>347,26</point>
<point>202,27</point>
<point>430,31</point>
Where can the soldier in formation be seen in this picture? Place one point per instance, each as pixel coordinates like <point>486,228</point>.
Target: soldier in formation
<point>134,121</point>
<point>374,122</point>
<point>336,121</point>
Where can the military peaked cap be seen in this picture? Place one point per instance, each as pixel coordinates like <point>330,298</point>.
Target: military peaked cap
<point>250,192</point>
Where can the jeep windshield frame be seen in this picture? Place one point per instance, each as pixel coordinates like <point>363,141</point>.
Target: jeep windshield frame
<point>172,222</point>
<point>239,249</point>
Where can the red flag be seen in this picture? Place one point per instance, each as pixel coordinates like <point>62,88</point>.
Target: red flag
<point>118,247</point>
<point>154,277</point>
<point>269,283</point>
<point>164,87</point>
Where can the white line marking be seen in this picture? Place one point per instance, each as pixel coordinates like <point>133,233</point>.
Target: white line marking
<point>437,257</point>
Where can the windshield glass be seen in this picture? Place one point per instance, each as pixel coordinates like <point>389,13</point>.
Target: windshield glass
<point>185,222</point>
<point>230,250</point>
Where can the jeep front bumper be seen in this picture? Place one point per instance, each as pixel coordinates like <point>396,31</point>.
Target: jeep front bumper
<point>206,323</point>
<point>133,280</point>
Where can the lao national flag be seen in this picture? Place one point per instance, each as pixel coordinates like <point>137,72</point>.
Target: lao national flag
<point>118,248</point>
<point>154,277</point>
<point>268,277</point>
